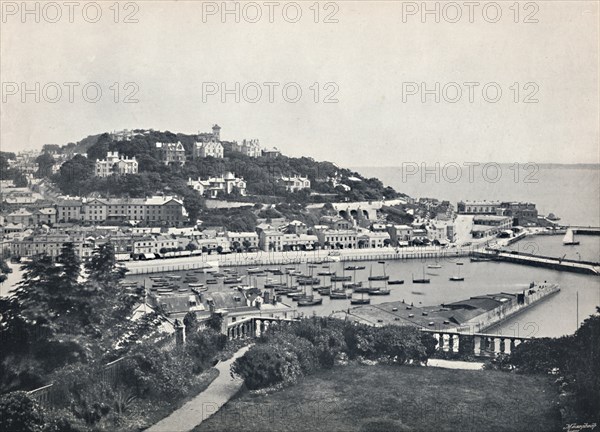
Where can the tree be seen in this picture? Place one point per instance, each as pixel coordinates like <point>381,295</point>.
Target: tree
<point>45,163</point>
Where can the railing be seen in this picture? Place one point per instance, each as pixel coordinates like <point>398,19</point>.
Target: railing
<point>253,327</point>
<point>476,344</point>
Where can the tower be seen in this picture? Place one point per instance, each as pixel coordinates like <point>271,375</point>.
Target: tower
<point>216,132</point>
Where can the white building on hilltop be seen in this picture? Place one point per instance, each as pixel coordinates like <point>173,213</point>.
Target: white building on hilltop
<point>115,164</point>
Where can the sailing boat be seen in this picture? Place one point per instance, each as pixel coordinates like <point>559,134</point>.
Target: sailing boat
<point>361,300</point>
<point>458,278</point>
<point>423,280</point>
<point>337,294</point>
<point>378,277</point>
<point>569,238</point>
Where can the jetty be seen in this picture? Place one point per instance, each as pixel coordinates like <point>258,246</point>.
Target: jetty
<point>554,263</point>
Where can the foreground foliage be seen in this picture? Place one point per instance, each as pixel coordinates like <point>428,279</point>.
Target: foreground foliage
<point>286,352</point>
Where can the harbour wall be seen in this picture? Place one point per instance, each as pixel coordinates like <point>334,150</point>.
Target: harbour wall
<point>509,309</point>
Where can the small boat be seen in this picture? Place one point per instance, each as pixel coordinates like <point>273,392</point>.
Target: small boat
<point>277,272</point>
<point>297,295</point>
<point>310,302</point>
<point>196,285</point>
<point>325,273</point>
<point>378,278</point>
<point>190,274</point>
<point>423,280</point>
<point>338,295</point>
<point>294,293</point>
<point>341,278</point>
<point>210,270</point>
<point>232,280</point>
<point>308,281</point>
<point>379,291</point>
<point>459,263</point>
<point>355,268</point>
<point>569,238</point>
<point>396,282</point>
<point>255,270</point>
<point>351,285</point>
<point>220,275</point>
<point>457,278</point>
<point>325,291</point>
<point>312,266</point>
<point>361,289</point>
<point>360,301</point>
<point>211,281</point>
<point>190,280</point>
<point>274,285</point>
<point>182,290</point>
<point>173,276</point>
<point>199,290</point>
<point>434,266</point>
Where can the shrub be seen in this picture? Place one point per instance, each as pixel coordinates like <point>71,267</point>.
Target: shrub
<point>19,412</point>
<point>203,346</point>
<point>266,365</point>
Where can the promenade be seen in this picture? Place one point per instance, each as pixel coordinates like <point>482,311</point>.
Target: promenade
<point>294,257</point>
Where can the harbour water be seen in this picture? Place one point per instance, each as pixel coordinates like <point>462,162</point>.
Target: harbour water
<point>555,316</point>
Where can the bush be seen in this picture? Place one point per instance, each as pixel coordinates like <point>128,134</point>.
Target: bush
<point>203,346</point>
<point>265,365</point>
<point>19,412</point>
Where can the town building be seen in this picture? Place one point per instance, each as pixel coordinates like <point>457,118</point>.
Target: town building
<point>370,239</point>
<point>295,183</point>
<point>69,210</point>
<point>50,244</point>
<point>338,239</point>
<point>270,240</point>
<point>156,209</point>
<point>171,153</point>
<point>490,225</point>
<point>477,207</point>
<point>243,241</point>
<point>115,164</point>
<point>400,235</point>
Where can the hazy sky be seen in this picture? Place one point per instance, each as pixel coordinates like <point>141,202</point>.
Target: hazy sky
<point>370,54</point>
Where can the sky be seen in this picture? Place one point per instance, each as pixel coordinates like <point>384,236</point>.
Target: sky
<point>362,78</point>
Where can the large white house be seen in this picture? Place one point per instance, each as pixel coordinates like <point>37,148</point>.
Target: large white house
<point>213,185</point>
<point>115,164</point>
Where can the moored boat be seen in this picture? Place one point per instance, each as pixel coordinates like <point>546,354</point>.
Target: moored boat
<point>310,301</point>
<point>396,282</point>
<point>355,268</point>
<point>341,278</point>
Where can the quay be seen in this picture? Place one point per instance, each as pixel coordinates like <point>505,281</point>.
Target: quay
<point>561,264</point>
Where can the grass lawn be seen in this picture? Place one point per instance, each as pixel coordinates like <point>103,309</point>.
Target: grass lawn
<point>392,398</point>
